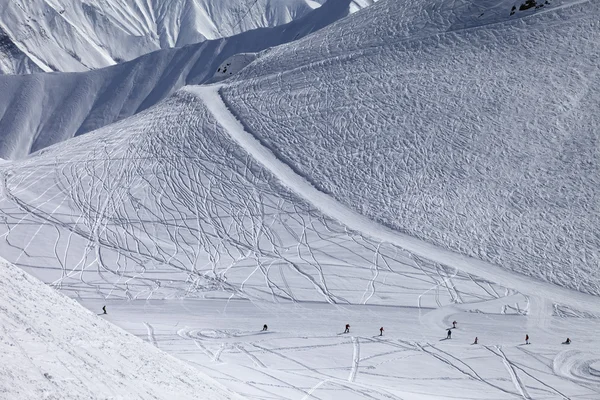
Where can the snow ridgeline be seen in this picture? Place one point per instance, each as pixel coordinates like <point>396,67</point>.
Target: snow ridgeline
<point>53,348</point>
<point>40,110</point>
<point>75,35</point>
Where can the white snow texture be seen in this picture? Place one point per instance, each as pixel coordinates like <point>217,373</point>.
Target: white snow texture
<point>407,165</point>
<point>53,348</point>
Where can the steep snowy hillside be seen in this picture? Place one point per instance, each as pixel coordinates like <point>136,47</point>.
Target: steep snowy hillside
<point>53,348</point>
<point>43,109</point>
<point>76,35</point>
<point>428,118</point>
<point>340,179</point>
<point>181,202</point>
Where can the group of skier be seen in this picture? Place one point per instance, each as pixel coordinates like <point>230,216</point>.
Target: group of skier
<point>476,341</point>
<point>448,335</point>
<point>347,330</point>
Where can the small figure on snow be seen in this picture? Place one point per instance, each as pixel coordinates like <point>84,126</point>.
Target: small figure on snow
<point>568,341</point>
<point>449,336</point>
<point>265,327</point>
<point>347,328</point>
<point>381,331</point>
<point>475,342</point>
<point>454,324</point>
<point>527,339</point>
<point>103,309</point>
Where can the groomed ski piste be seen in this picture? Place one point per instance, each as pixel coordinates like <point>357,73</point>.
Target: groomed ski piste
<point>211,213</point>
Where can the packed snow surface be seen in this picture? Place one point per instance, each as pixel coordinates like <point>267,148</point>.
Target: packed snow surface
<point>53,348</point>
<point>413,164</point>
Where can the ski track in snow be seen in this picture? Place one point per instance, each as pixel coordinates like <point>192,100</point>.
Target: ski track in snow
<point>224,226</point>
<point>184,201</point>
<point>355,359</point>
<point>521,388</point>
<point>288,177</point>
<point>151,337</point>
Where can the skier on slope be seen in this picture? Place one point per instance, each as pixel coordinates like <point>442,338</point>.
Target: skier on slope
<point>526,338</point>
<point>454,324</point>
<point>475,342</point>
<point>568,341</point>
<point>103,309</point>
<point>381,331</point>
<point>347,328</point>
<point>265,327</point>
<point>449,336</point>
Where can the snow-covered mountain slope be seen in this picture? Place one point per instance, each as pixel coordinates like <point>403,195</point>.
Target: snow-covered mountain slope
<point>478,137</point>
<point>166,205</point>
<point>43,109</point>
<point>53,348</point>
<point>76,35</point>
<point>140,204</point>
<point>175,202</point>
<point>340,179</point>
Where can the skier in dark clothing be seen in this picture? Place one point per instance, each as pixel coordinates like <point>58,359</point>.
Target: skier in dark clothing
<point>454,324</point>
<point>381,331</point>
<point>347,328</point>
<point>527,339</point>
<point>103,309</point>
<point>449,334</point>
<point>265,327</point>
<point>568,341</point>
<point>475,342</point>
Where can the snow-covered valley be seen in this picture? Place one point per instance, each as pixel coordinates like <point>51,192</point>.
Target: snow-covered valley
<point>405,166</point>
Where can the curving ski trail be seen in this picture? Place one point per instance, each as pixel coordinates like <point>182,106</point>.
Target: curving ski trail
<point>353,220</point>
<point>151,337</point>
<point>355,359</point>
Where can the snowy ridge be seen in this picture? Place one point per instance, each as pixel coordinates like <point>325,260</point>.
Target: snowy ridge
<point>75,35</point>
<point>39,110</point>
<point>53,348</point>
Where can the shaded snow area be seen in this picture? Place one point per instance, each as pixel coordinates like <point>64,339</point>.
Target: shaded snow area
<point>39,110</point>
<point>480,139</point>
<point>53,348</point>
<point>402,167</point>
<point>79,35</point>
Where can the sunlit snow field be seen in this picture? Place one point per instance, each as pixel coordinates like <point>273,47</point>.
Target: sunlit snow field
<point>411,165</point>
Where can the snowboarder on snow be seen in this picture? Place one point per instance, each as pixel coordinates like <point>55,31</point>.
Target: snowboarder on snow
<point>381,331</point>
<point>475,342</point>
<point>265,327</point>
<point>568,341</point>
<point>454,324</point>
<point>449,336</point>
<point>103,309</point>
<point>527,339</point>
<point>347,328</point>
